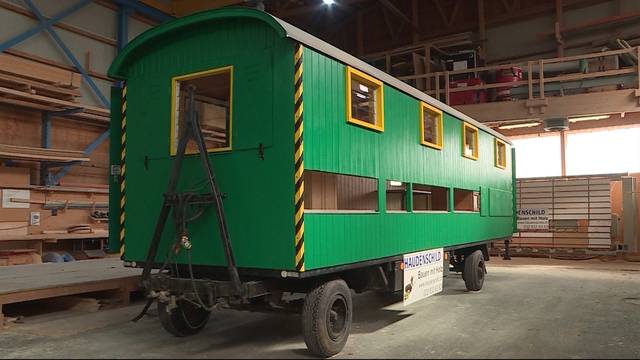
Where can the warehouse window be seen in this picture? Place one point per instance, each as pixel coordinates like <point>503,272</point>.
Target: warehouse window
<point>466,200</point>
<point>430,198</point>
<point>431,126</point>
<point>469,141</point>
<point>501,154</point>
<point>329,192</point>
<point>212,101</point>
<point>396,196</point>
<point>364,100</point>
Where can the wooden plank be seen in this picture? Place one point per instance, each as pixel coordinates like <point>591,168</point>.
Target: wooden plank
<point>14,65</point>
<point>52,101</point>
<point>600,222</point>
<point>536,201</point>
<point>13,228</point>
<point>49,62</point>
<point>606,210</point>
<point>96,235</point>
<point>45,89</point>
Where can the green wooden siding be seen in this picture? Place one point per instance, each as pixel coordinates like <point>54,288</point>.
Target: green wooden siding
<point>259,200</point>
<point>332,145</point>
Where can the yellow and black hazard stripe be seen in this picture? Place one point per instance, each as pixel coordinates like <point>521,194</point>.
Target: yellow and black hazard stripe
<point>299,164</point>
<point>123,147</point>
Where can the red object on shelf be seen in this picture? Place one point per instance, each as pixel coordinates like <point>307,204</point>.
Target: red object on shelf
<point>467,97</point>
<point>506,76</point>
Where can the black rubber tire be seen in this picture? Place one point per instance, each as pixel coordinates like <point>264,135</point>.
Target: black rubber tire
<point>326,318</point>
<point>474,270</point>
<point>184,320</point>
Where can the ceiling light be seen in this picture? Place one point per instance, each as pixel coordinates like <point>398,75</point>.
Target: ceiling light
<point>518,126</point>
<point>589,118</point>
<point>395,183</point>
<point>328,2</point>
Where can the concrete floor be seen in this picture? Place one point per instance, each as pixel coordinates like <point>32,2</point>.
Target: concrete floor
<point>528,308</point>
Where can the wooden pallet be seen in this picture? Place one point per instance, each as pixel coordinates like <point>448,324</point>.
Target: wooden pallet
<point>44,281</point>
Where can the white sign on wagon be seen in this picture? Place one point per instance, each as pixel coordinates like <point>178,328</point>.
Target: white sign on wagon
<point>533,219</point>
<point>422,275</point>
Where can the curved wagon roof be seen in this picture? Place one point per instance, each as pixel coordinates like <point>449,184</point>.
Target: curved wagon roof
<point>283,29</point>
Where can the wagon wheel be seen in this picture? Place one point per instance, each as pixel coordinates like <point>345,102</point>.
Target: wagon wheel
<point>183,320</point>
<point>326,318</point>
<point>474,270</point>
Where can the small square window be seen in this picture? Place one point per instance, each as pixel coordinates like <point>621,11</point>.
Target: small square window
<point>466,200</point>
<point>501,154</point>
<point>469,141</point>
<point>212,102</point>
<point>364,100</point>
<point>431,126</point>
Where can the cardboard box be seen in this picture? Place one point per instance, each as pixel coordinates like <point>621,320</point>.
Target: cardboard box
<point>14,176</point>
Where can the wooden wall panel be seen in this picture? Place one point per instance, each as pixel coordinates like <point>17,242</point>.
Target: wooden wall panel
<point>22,126</point>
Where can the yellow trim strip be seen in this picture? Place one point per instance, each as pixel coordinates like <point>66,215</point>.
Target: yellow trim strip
<point>371,81</point>
<point>173,144</point>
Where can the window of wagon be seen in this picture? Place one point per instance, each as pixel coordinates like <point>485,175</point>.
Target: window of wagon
<point>212,101</point>
<point>364,100</point>
<point>469,141</point>
<point>430,126</point>
<point>501,154</point>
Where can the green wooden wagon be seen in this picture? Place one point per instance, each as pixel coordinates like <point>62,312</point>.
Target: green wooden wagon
<point>325,171</point>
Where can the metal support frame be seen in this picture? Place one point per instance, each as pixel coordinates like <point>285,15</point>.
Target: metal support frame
<point>144,10</point>
<point>123,26</point>
<point>49,28</point>
<point>45,140</point>
<point>42,25</point>
<point>126,6</point>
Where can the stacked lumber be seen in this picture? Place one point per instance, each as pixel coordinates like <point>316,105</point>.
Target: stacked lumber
<point>38,218</point>
<point>41,154</point>
<point>35,85</point>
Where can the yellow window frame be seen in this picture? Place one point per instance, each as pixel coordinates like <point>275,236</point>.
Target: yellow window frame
<point>466,126</point>
<point>173,146</point>
<point>500,147</point>
<point>426,107</point>
<point>373,82</point>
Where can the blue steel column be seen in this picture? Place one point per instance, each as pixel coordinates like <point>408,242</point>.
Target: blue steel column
<point>45,142</point>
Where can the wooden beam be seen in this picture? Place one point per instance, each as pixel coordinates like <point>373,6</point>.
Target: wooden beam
<point>609,102</point>
<point>415,20</point>
<point>454,13</point>
<point>389,5</point>
<point>615,19</point>
<point>52,101</point>
<point>559,24</point>
<point>360,32</point>
<point>563,152</point>
<point>482,31</point>
<point>46,61</point>
<point>443,16</point>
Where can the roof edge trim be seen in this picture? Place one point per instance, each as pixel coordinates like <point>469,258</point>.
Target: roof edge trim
<point>153,34</point>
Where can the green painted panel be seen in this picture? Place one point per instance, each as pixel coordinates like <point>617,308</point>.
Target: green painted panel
<point>500,203</point>
<point>258,192</point>
<point>333,145</point>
